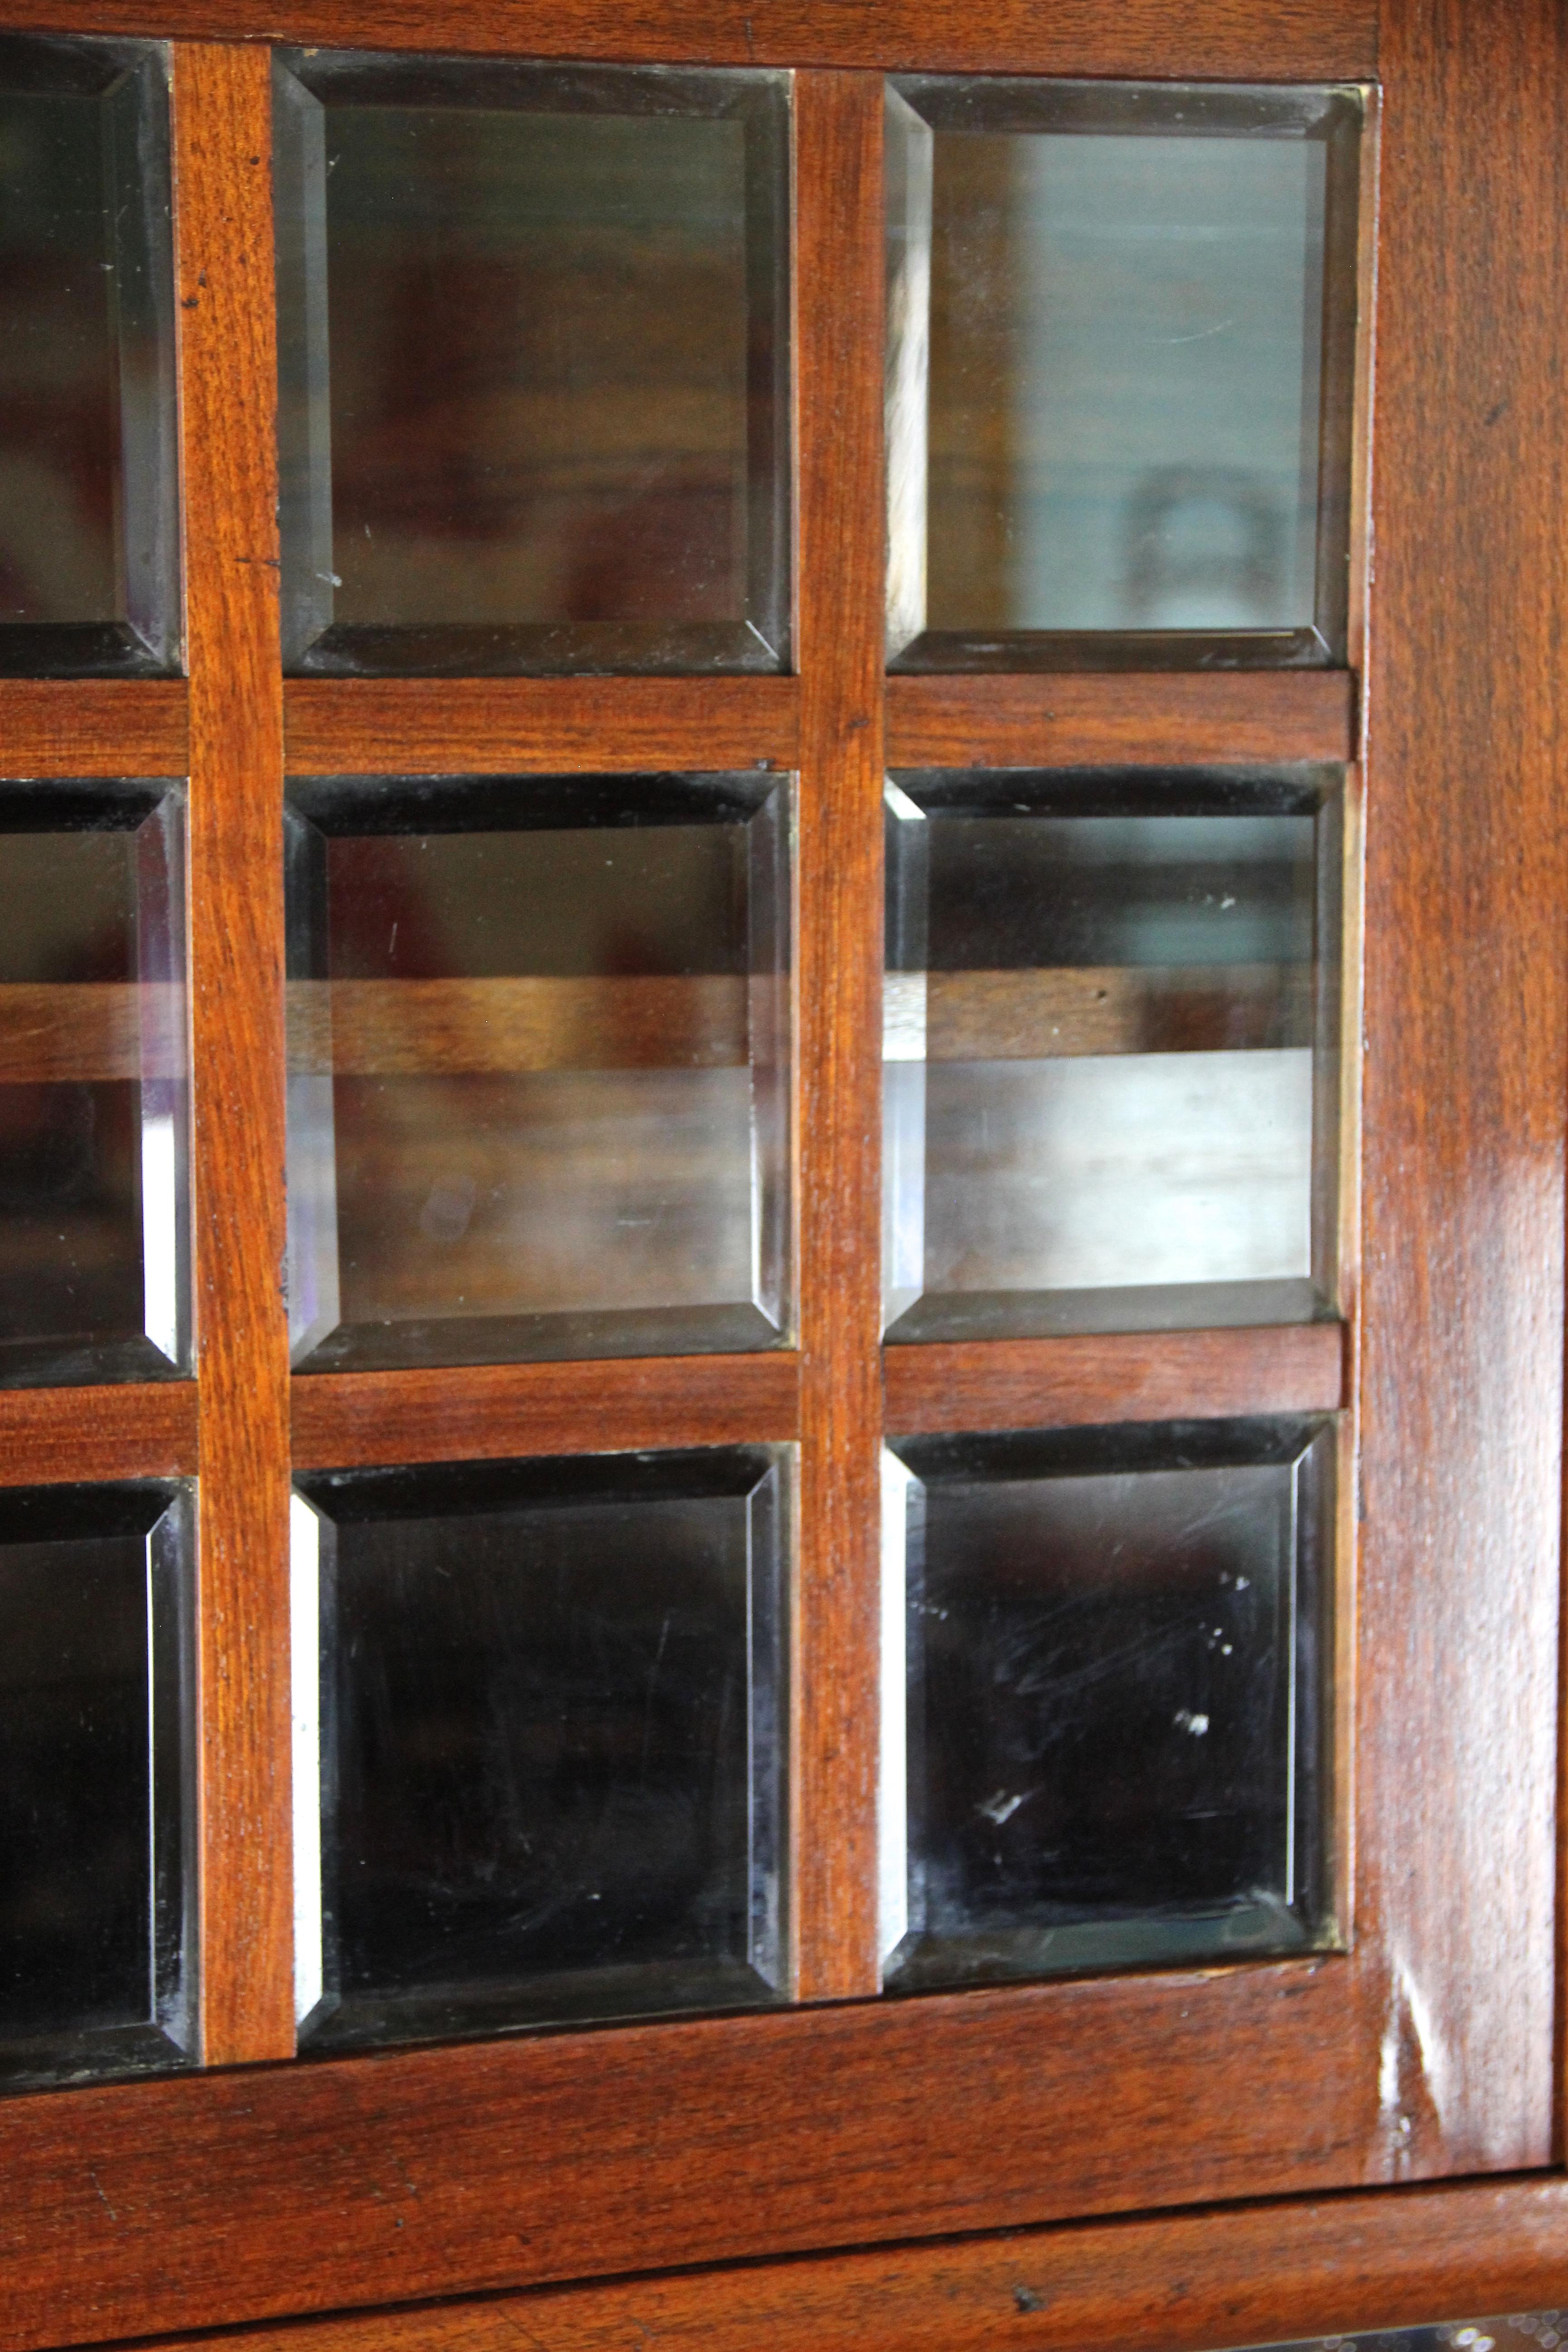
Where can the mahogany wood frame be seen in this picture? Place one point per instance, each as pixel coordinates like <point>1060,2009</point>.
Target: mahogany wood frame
<point>1427,2050</point>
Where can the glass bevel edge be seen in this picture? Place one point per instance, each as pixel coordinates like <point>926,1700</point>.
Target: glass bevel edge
<point>328,2023</point>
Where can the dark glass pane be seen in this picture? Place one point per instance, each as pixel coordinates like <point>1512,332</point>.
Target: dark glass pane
<point>1113,1749</point>
<point>93,1140</point>
<point>535,336</point>
<point>1111,1074</point>
<point>88,562</point>
<point>94,1781</point>
<point>540,1068</point>
<point>1122,328</point>
<point>550,1742</point>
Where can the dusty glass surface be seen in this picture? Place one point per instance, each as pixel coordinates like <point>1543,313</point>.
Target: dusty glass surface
<point>539,1091</point>
<point>1121,351</point>
<point>93,1101</point>
<point>89,565</point>
<point>549,1736</point>
<point>533,365</point>
<point>97,1890</point>
<point>1112,1068</point>
<point>1112,1753</point>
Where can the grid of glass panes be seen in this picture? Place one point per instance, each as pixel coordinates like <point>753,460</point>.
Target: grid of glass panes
<point>534,416</point>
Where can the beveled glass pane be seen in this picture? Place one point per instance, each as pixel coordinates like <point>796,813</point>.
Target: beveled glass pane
<point>539,1092</point>
<point>1113,1751</point>
<point>1122,323</point>
<point>533,365</point>
<point>88,576</point>
<point>93,1112</point>
<point>1112,1070</point>
<point>549,1729</point>
<point>97,1894</point>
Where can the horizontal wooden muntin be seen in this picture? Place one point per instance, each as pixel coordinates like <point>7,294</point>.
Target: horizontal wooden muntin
<point>493,1411</point>
<point>496,725</point>
<point>143,1429</point>
<point>1214,40</point>
<point>1332,2266</point>
<point>93,727</point>
<point>1083,1379</point>
<point>1135,718</point>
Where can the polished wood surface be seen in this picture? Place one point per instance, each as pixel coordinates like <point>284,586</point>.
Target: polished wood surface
<point>144,1429</point>
<point>1217,40</point>
<point>1222,718</point>
<point>498,726</point>
<point>838,277</point>
<point>222,100</point>
<point>93,727</point>
<point>1078,1381</point>
<point>1330,2267</point>
<point>260,2192</point>
<point>495,1411</point>
<point>1466,1067</point>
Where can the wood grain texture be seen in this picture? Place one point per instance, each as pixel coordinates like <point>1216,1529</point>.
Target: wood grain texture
<point>1078,1381</point>
<point>1218,40</point>
<point>92,727</point>
<point>1088,720</point>
<point>838,277</point>
<point>494,727</point>
<point>406,1028</point>
<point>495,1410</point>
<point>189,2203</point>
<point>227,385</point>
<point>144,1429</point>
<point>1249,2275</point>
<point>1466,1024</point>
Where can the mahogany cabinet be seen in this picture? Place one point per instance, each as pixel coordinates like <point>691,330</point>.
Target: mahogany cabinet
<point>1363,2131</point>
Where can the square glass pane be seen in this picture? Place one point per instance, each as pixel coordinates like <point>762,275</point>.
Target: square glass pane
<point>1120,363</point>
<point>96,1883</point>
<point>1111,1068</point>
<point>93,1099</point>
<point>533,365</point>
<point>548,1732</point>
<point>1110,1643</point>
<point>89,560</point>
<point>539,1092</point>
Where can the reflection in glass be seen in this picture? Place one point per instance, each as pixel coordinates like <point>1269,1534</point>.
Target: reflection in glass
<point>1513,2332</point>
<point>550,1731</point>
<point>533,365</point>
<point>93,1123</point>
<point>97,1890</point>
<point>1111,1083</point>
<point>539,1068</point>
<point>1111,1643</point>
<point>1120,344</point>
<point>89,579</point>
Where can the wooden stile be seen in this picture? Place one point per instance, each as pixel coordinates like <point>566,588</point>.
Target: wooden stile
<point>227,380</point>
<point>838,282</point>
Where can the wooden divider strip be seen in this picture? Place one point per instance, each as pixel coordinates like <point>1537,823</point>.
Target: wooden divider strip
<point>227,385</point>
<point>1213,40</point>
<point>93,727</point>
<point>1076,1381</point>
<point>838,278</point>
<point>143,1429</point>
<point>494,726</point>
<point>490,1411</point>
<point>1220,717</point>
